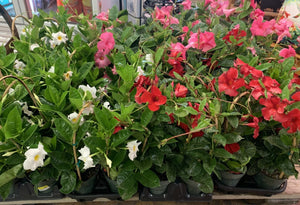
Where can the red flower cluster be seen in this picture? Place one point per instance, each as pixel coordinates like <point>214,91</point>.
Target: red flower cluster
<point>236,34</point>
<point>154,97</point>
<point>232,148</point>
<point>229,82</point>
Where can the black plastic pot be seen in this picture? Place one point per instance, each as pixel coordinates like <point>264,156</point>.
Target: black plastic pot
<point>267,182</point>
<point>174,192</point>
<point>100,190</point>
<point>24,190</point>
<point>247,185</point>
<point>231,179</point>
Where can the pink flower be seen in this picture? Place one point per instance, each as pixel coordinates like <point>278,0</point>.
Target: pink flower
<point>287,52</point>
<point>103,16</point>
<point>163,16</point>
<point>282,28</point>
<point>260,28</point>
<point>187,4</point>
<point>256,13</point>
<point>252,49</point>
<point>195,23</point>
<point>203,41</point>
<point>185,29</point>
<point>177,54</point>
<point>106,43</point>
<point>101,60</point>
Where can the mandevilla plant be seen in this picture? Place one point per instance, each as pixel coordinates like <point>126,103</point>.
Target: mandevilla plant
<point>183,96</point>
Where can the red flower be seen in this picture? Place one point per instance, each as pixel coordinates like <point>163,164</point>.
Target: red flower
<point>237,35</point>
<point>296,96</point>
<point>271,85</point>
<point>247,69</point>
<point>180,91</point>
<point>177,68</point>
<point>229,82</point>
<point>154,98</point>
<point>274,107</point>
<point>293,121</point>
<point>255,125</point>
<point>232,148</point>
<point>295,80</point>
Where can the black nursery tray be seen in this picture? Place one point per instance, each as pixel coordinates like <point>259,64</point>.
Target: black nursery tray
<point>101,190</point>
<point>247,185</point>
<point>174,192</point>
<point>24,190</point>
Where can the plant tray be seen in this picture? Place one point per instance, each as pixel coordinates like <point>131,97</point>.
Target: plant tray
<point>24,190</point>
<point>247,185</point>
<point>174,192</point>
<point>101,190</point>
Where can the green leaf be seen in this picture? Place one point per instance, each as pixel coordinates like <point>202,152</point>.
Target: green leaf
<point>28,134</point>
<point>233,121</point>
<point>126,179</point>
<point>6,189</point>
<point>13,124</point>
<point>106,120</point>
<point>222,153</point>
<point>148,179</point>
<point>128,75</point>
<point>85,69</point>
<point>9,59</point>
<point>10,174</point>
<point>118,157</point>
<point>75,98</point>
<point>143,165</point>
<point>60,65</point>
<point>38,21</point>
<point>62,161</point>
<point>63,130</point>
<point>113,13</point>
<point>288,64</point>
<point>191,110</point>
<point>146,117</point>
<point>181,112</point>
<point>264,66</point>
<point>220,139</point>
<point>232,138</point>
<point>68,182</point>
<point>209,165</point>
<point>206,182</point>
<point>128,192</point>
<point>171,172</point>
<point>22,47</point>
<point>158,55</point>
<point>285,93</point>
<point>120,137</point>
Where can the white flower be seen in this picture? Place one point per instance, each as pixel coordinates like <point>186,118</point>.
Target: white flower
<point>19,65</point>
<point>133,147</point>
<point>59,38</point>
<point>106,105</point>
<point>51,70</point>
<point>140,72</point>
<point>73,118</point>
<point>34,158</point>
<point>25,109</point>
<point>86,158</point>
<point>86,88</point>
<point>52,44</point>
<point>68,75</point>
<point>149,58</point>
<point>10,91</point>
<point>89,109</point>
<point>33,46</point>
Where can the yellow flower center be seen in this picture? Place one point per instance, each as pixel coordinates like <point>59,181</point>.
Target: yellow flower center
<point>59,38</point>
<point>36,157</point>
<point>74,120</point>
<point>134,148</point>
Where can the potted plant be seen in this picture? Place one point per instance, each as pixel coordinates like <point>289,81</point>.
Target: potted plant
<point>182,97</point>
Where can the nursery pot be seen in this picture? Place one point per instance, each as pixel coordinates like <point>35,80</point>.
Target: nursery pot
<point>112,184</point>
<point>46,186</point>
<point>161,188</point>
<point>231,179</point>
<point>192,187</point>
<point>87,186</point>
<point>266,182</point>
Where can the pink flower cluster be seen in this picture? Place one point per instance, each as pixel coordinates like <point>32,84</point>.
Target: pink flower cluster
<point>164,16</point>
<point>105,45</point>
